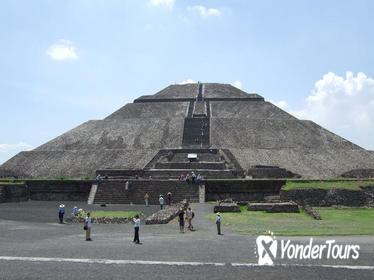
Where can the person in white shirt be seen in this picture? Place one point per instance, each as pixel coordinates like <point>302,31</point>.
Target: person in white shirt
<point>218,222</point>
<point>136,228</point>
<point>87,226</point>
<point>161,202</point>
<point>189,215</point>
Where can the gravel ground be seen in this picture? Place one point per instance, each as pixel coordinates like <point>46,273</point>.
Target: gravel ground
<point>31,229</point>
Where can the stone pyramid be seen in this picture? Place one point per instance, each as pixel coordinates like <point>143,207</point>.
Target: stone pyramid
<point>254,132</point>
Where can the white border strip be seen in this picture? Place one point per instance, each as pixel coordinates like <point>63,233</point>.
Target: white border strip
<point>106,261</point>
<point>173,263</point>
<point>354,267</point>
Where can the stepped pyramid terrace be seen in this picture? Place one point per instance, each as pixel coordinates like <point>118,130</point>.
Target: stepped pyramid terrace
<point>213,129</point>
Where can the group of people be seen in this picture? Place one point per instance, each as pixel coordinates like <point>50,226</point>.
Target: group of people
<point>61,212</point>
<point>136,220</point>
<point>193,179</point>
<point>189,216</point>
<point>161,199</point>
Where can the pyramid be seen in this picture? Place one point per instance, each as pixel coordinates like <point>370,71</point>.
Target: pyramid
<point>243,130</point>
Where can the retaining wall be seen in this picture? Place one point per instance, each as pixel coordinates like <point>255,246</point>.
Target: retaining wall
<point>114,192</point>
<point>328,197</point>
<point>242,190</point>
<point>55,190</point>
<point>13,193</point>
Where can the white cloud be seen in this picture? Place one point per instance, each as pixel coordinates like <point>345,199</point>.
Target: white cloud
<point>237,84</point>
<point>205,12</point>
<point>9,150</point>
<point>281,104</point>
<point>64,49</point>
<point>167,3</point>
<point>188,81</point>
<point>343,105</point>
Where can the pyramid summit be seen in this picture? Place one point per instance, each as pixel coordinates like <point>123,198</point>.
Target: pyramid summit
<point>233,134</point>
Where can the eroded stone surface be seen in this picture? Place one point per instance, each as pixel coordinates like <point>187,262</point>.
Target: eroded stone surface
<point>167,214</point>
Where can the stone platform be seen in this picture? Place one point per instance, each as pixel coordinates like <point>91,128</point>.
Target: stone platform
<point>226,206</point>
<point>274,207</point>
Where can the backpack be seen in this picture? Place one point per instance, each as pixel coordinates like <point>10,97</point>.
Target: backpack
<point>193,215</point>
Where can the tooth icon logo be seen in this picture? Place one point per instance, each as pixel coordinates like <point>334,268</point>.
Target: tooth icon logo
<point>266,249</point>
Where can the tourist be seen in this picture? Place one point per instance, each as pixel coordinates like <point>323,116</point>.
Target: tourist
<point>181,177</point>
<point>218,222</point>
<point>106,177</point>
<point>146,199</point>
<point>169,197</point>
<point>75,211</point>
<point>136,221</point>
<point>150,178</point>
<point>187,178</point>
<point>127,185</point>
<point>181,220</point>
<point>98,177</point>
<point>87,226</point>
<point>61,212</point>
<point>189,216</point>
<point>161,202</point>
<point>136,177</point>
<point>193,177</point>
<point>130,186</point>
<point>198,179</point>
<point>80,212</point>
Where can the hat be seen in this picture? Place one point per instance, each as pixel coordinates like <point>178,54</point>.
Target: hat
<point>75,207</point>
<point>218,214</point>
<point>62,205</point>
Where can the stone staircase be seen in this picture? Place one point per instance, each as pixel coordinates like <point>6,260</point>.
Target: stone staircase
<point>114,192</point>
<point>175,173</point>
<point>196,132</point>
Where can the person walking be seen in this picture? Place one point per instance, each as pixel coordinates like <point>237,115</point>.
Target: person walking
<point>189,215</point>
<point>146,199</point>
<point>181,220</point>
<point>161,202</point>
<point>136,220</point>
<point>218,222</point>
<point>87,226</point>
<point>61,212</point>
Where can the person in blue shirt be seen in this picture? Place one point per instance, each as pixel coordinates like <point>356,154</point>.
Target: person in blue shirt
<point>75,211</point>
<point>136,228</point>
<point>61,212</point>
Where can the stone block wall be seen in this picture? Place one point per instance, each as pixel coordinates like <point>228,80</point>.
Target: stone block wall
<point>13,193</point>
<point>326,198</point>
<point>114,192</point>
<point>59,190</point>
<point>242,190</point>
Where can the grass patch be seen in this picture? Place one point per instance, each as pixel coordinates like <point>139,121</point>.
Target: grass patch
<point>345,221</point>
<point>329,184</point>
<point>11,183</point>
<point>114,214</point>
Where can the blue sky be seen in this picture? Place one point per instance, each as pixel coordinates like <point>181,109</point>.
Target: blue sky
<point>65,62</point>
